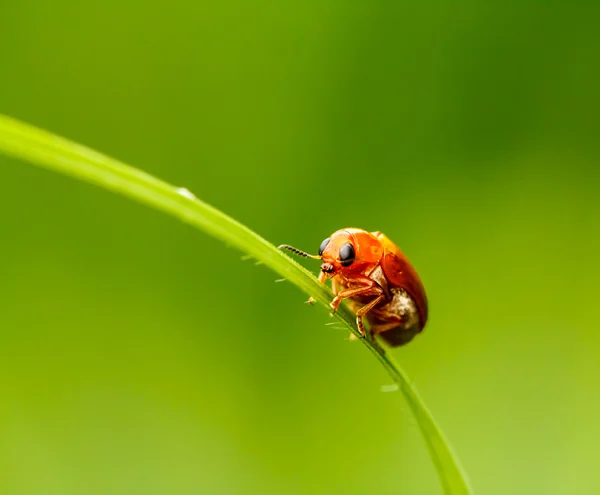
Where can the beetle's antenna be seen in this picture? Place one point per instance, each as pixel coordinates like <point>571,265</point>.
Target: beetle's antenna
<point>298,252</point>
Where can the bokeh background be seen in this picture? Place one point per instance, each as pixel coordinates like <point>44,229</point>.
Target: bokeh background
<point>138,355</point>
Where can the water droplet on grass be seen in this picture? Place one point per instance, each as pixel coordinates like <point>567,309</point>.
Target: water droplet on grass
<point>182,191</point>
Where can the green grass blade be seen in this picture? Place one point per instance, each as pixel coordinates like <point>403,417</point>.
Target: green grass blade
<point>44,149</point>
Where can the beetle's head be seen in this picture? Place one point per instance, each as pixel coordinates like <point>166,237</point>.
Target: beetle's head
<point>344,252</point>
<point>337,253</point>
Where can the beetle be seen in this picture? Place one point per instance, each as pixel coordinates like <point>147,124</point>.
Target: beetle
<point>369,270</point>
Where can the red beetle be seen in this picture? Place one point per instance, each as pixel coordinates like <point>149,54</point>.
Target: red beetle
<point>374,275</point>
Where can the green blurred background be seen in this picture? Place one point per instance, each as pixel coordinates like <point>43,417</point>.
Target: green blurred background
<point>138,355</point>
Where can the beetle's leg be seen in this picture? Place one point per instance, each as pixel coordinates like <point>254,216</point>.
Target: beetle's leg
<point>335,286</point>
<point>364,310</point>
<point>346,293</point>
<point>369,288</point>
<point>384,327</point>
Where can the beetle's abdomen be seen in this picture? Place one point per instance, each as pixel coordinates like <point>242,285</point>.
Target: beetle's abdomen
<point>400,309</point>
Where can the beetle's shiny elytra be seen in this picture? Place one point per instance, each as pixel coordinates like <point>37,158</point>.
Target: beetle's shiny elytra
<point>377,279</point>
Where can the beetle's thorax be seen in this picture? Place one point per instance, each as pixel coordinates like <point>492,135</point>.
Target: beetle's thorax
<point>380,279</point>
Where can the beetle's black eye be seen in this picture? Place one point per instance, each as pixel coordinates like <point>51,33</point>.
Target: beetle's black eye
<point>323,246</point>
<point>347,254</point>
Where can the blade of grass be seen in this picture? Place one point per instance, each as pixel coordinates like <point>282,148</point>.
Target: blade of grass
<point>44,149</point>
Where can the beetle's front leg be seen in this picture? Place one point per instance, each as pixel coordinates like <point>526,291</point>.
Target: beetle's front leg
<point>370,288</point>
<point>335,286</point>
<point>366,286</point>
